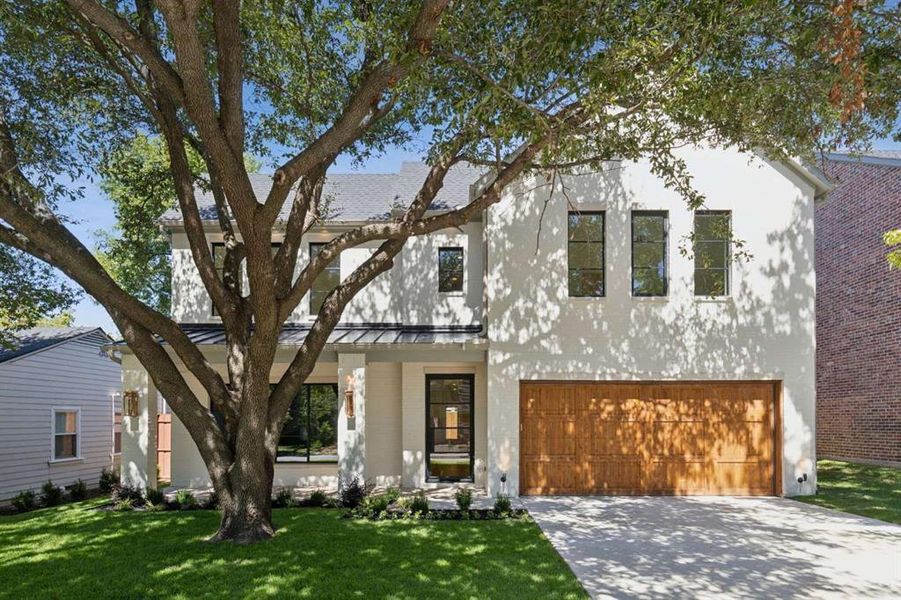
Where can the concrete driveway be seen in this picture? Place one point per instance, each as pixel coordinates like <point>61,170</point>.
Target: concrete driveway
<point>705,547</point>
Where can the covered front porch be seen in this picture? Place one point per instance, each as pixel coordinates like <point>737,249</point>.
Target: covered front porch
<point>392,408</point>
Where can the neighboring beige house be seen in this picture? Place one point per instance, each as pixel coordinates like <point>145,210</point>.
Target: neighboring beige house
<point>59,394</point>
<point>592,357</point>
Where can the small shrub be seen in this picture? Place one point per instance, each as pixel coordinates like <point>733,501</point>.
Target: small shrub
<point>318,498</point>
<point>212,501</point>
<point>393,494</point>
<point>51,494</point>
<point>154,507</point>
<point>282,498</point>
<point>353,494</point>
<point>78,490</point>
<point>185,500</point>
<point>108,480</point>
<point>419,504</point>
<point>124,505</point>
<point>502,504</point>
<point>127,492</point>
<point>463,496</point>
<point>376,505</point>
<point>154,496</point>
<point>24,501</point>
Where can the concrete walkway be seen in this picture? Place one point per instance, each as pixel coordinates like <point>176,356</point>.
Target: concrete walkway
<point>706,547</point>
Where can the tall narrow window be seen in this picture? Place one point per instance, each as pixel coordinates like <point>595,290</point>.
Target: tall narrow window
<point>325,282</point>
<point>712,234</point>
<point>65,433</point>
<point>449,441</point>
<point>117,433</point>
<point>450,269</point>
<point>219,262</point>
<point>311,431</point>
<point>649,253</point>
<point>586,254</point>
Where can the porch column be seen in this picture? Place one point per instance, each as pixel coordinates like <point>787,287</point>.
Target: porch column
<point>351,429</point>
<point>138,468</point>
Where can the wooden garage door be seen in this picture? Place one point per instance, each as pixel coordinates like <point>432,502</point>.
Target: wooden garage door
<point>647,438</point>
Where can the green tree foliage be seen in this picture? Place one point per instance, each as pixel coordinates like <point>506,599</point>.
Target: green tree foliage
<point>63,319</point>
<point>29,292</point>
<point>893,241</point>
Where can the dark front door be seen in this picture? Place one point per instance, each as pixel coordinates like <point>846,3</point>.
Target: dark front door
<point>449,412</point>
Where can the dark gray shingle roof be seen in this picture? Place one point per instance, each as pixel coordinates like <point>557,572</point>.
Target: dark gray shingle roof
<point>38,338</point>
<point>362,196</point>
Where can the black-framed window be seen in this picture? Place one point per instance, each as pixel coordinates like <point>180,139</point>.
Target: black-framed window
<point>326,281</point>
<point>311,431</point>
<point>449,413</point>
<point>585,254</point>
<point>450,269</point>
<point>711,248</point>
<point>649,253</point>
<point>218,249</point>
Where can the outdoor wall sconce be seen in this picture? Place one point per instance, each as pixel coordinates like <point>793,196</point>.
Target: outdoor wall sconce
<point>349,397</point>
<point>130,403</point>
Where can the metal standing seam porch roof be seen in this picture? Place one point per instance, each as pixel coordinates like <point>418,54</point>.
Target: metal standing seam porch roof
<point>352,334</point>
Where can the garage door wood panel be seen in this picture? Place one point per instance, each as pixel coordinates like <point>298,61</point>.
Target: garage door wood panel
<point>649,438</point>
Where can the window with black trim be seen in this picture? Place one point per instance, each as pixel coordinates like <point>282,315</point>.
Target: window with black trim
<point>711,247</point>
<point>218,249</point>
<point>310,433</point>
<point>585,254</point>
<point>450,269</point>
<point>326,281</point>
<point>649,253</point>
<point>449,413</point>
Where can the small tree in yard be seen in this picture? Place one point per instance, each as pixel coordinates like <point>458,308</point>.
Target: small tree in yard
<point>514,86</point>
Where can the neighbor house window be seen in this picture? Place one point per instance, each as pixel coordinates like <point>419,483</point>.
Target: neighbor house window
<point>450,269</point>
<point>325,282</point>
<point>449,441</point>
<point>586,254</point>
<point>65,433</point>
<point>649,253</point>
<point>311,431</point>
<point>712,233</point>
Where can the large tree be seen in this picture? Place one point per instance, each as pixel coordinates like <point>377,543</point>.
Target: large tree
<point>512,85</point>
<point>135,252</point>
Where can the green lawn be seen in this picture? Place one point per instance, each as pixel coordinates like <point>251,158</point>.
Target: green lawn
<point>859,489</point>
<point>76,552</point>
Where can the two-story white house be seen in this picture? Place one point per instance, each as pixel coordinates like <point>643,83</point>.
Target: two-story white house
<point>569,341</point>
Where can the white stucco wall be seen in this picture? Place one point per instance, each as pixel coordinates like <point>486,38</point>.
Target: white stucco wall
<point>763,330</point>
<point>406,294</point>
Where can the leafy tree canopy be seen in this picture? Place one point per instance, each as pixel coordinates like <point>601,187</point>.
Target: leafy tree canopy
<point>30,291</point>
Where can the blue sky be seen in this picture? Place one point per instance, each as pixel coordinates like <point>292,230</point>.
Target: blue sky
<point>95,212</point>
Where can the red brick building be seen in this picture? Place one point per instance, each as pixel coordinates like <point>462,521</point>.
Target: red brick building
<point>859,311</point>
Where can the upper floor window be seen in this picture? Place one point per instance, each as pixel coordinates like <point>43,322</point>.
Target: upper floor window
<point>219,262</point>
<point>649,276</point>
<point>586,254</point>
<point>326,281</point>
<point>450,269</point>
<point>65,433</point>
<point>712,234</point>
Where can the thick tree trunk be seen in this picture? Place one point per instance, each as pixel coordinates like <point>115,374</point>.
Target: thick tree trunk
<point>247,508</point>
